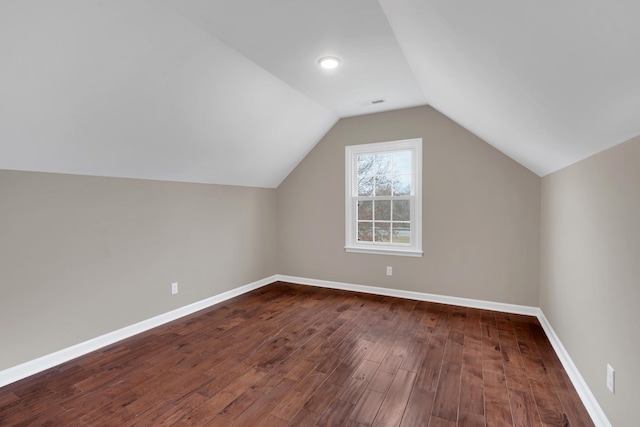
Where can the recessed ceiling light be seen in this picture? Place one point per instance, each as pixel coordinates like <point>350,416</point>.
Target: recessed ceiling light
<point>329,62</point>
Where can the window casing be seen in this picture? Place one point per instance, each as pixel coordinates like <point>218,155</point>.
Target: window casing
<point>384,198</point>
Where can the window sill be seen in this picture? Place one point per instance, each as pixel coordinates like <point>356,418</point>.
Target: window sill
<point>384,251</point>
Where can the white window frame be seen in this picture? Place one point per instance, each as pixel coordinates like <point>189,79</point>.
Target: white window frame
<point>351,199</point>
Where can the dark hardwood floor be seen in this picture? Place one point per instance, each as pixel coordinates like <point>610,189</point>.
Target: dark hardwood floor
<point>303,356</point>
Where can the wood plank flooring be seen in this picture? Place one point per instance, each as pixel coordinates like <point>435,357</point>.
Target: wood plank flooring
<point>290,355</point>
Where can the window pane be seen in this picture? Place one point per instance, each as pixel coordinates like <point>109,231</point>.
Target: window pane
<point>383,231</point>
<point>365,231</point>
<point>383,210</point>
<point>401,185</point>
<point>401,210</point>
<point>383,185</point>
<point>402,162</point>
<point>366,164</point>
<point>383,162</point>
<point>365,186</point>
<point>365,210</point>
<point>401,232</point>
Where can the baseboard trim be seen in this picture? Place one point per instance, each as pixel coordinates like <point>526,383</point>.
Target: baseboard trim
<point>24,370</point>
<point>420,296</point>
<point>588,399</point>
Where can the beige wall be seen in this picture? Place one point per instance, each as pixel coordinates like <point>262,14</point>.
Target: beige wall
<point>590,271</point>
<point>480,216</point>
<point>82,256</point>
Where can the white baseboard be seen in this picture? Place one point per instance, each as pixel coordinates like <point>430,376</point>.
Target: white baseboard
<point>43,363</point>
<point>40,364</point>
<point>420,296</point>
<point>588,399</point>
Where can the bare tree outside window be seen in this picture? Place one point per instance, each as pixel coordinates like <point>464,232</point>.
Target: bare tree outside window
<point>385,175</point>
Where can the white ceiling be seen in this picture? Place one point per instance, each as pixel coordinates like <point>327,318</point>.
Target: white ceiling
<point>230,92</point>
<point>546,82</point>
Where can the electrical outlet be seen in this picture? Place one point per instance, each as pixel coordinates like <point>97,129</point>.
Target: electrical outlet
<point>611,378</point>
<point>174,288</point>
<point>389,271</point>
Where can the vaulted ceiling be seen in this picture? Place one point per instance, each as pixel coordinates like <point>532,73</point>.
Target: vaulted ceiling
<point>230,92</point>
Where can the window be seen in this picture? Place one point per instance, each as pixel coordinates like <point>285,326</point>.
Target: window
<point>383,198</point>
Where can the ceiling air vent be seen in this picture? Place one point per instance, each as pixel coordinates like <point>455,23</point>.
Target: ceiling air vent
<point>371,102</point>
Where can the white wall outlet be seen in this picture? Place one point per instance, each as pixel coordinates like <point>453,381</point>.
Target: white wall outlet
<point>174,288</point>
<point>389,271</point>
<point>611,378</point>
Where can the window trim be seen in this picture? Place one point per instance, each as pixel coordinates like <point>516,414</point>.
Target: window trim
<point>351,170</point>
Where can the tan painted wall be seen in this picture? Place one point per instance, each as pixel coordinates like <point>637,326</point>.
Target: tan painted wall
<point>590,271</point>
<point>82,256</point>
<point>480,214</point>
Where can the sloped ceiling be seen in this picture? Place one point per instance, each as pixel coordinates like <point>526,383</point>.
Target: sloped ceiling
<point>230,92</point>
<point>546,82</point>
